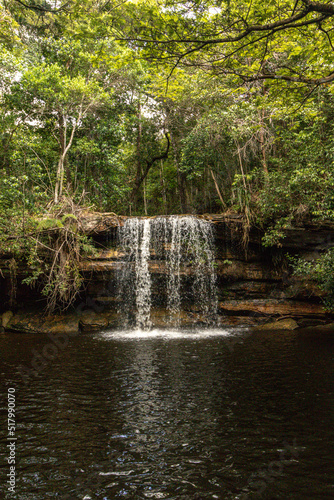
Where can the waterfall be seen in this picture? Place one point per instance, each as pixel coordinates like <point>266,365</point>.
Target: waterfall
<point>173,267</point>
<point>183,247</point>
<point>143,278</point>
<point>135,280</point>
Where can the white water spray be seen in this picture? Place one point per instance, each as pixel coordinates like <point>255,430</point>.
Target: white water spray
<point>185,245</point>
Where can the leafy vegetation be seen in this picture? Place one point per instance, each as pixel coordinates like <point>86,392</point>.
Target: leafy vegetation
<point>320,271</point>
<point>146,107</point>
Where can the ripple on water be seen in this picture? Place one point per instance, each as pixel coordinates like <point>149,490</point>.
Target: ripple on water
<point>181,415</point>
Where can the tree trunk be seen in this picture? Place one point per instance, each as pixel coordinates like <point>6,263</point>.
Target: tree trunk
<point>180,177</point>
<point>59,180</point>
<point>144,193</point>
<point>64,148</point>
<point>68,175</point>
<point>139,170</point>
<point>217,188</point>
<point>163,188</point>
<point>262,143</point>
<point>146,170</point>
<point>60,169</point>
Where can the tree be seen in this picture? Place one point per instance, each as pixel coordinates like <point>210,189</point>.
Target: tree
<point>46,94</point>
<point>247,40</point>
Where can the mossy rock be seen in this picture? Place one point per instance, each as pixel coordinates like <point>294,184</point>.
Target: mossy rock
<point>283,324</point>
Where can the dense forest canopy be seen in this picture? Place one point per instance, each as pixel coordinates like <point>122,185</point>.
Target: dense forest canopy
<point>145,107</point>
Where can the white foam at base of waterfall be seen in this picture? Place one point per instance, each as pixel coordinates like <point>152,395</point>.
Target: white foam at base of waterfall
<point>172,334</point>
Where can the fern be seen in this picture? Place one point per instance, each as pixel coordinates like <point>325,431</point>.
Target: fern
<point>49,224</point>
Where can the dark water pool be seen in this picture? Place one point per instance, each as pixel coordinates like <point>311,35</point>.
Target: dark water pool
<point>172,415</point>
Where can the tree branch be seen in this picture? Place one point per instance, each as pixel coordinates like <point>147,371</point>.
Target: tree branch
<point>297,79</point>
<point>255,28</point>
<point>299,18</point>
<point>149,164</point>
<point>43,9</point>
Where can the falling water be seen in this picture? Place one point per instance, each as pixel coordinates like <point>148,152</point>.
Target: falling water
<point>184,244</point>
<point>173,278</point>
<point>143,278</point>
<point>135,279</point>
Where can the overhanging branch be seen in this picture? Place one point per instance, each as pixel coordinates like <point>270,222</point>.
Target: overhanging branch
<point>305,13</point>
<point>45,10</point>
<point>149,164</point>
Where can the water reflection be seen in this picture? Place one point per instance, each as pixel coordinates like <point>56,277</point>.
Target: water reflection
<point>175,415</point>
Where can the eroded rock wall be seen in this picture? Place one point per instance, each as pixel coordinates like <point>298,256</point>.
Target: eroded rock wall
<point>254,283</point>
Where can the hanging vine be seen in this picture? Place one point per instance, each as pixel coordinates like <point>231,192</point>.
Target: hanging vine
<point>54,258</point>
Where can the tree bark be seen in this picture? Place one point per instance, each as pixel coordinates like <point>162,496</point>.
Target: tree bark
<point>180,177</point>
<point>60,169</point>
<point>163,187</point>
<point>149,164</point>
<point>217,188</point>
<point>64,148</point>
<point>139,170</point>
<point>262,143</point>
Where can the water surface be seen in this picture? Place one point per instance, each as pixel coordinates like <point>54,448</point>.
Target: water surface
<point>219,414</point>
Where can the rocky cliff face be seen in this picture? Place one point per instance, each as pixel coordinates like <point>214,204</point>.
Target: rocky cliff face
<point>254,284</point>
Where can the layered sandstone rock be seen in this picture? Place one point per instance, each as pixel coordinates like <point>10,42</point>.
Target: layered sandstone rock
<point>254,283</point>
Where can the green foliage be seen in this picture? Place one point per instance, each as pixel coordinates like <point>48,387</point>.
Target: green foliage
<point>276,232</point>
<point>68,218</point>
<point>54,256</point>
<point>87,248</point>
<point>82,107</point>
<point>227,262</point>
<point>84,110</point>
<point>49,223</point>
<point>11,193</point>
<point>321,271</point>
<point>307,190</point>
